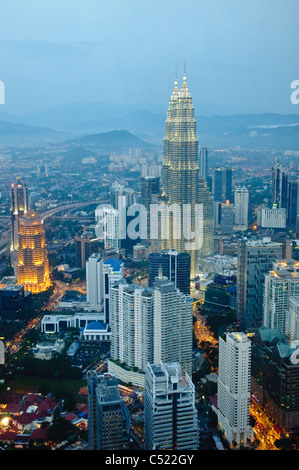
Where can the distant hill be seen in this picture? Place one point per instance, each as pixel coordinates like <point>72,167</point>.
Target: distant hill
<point>11,133</point>
<point>111,141</point>
<point>95,124</point>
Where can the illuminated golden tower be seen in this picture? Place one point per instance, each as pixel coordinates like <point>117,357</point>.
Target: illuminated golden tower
<point>33,264</point>
<point>19,207</point>
<point>180,168</point>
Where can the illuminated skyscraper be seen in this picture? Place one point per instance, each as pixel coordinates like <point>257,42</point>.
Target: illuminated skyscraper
<point>181,171</point>
<point>19,207</point>
<point>170,414</point>
<point>234,380</point>
<point>33,265</point>
<point>281,283</point>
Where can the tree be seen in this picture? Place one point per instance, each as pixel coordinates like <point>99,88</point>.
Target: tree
<point>61,429</point>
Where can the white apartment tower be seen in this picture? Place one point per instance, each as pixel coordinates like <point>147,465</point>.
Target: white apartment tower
<point>94,281</point>
<point>169,409</point>
<point>132,329</point>
<point>281,283</point>
<point>173,320</point>
<point>241,208</point>
<point>234,382</point>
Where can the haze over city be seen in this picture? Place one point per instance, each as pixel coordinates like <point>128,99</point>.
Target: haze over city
<point>241,56</point>
<point>149,226</point>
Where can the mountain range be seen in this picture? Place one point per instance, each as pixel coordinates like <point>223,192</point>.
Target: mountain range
<point>78,121</point>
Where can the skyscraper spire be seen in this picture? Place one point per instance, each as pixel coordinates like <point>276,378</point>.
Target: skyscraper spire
<point>175,92</point>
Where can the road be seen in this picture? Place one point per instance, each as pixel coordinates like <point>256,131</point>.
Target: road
<point>264,427</point>
<point>5,238</point>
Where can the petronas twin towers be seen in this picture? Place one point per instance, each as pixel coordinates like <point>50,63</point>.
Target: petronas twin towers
<point>190,210</point>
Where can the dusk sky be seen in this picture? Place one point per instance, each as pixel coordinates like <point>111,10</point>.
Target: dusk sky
<point>240,55</point>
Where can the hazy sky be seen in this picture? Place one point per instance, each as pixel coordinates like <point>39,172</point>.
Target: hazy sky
<point>240,54</point>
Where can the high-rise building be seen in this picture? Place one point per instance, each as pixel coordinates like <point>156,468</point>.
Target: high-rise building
<point>19,207</point>
<point>207,220</point>
<point>112,272</point>
<point>121,196</point>
<point>108,416</point>
<point>293,204</point>
<point>204,163</point>
<point>111,226</point>
<point>132,331</point>
<point>272,217</point>
<point>217,214</point>
<point>173,320</point>
<point>281,283</point>
<point>255,259</point>
<point>222,184</point>
<point>170,414</point>
<point>279,186</point>
<point>181,172</point>
<point>241,208</point>
<point>292,319</point>
<point>275,377</point>
<point>85,246</point>
<point>150,186</point>
<point>94,281</point>
<point>33,264</point>
<point>175,266</point>
<point>234,380</point>
<point>227,218</point>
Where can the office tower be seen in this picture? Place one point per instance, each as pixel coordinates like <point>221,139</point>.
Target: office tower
<point>234,380</point>
<point>222,184</point>
<point>281,283</point>
<point>175,266</point>
<point>132,330</point>
<point>170,415</point>
<point>94,281</point>
<point>150,185</point>
<point>33,264</point>
<point>227,218</point>
<point>292,319</point>
<point>181,172</point>
<point>206,220</point>
<point>217,215</point>
<point>255,259</point>
<point>293,204</point>
<point>121,196</point>
<point>19,207</point>
<point>279,186</point>
<point>173,320</point>
<point>275,377</point>
<point>108,416</point>
<point>241,208</point>
<point>271,217</point>
<point>85,246</point>
<point>204,163</point>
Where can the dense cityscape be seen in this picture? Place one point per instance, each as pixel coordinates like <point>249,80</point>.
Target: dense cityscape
<point>149,288</point>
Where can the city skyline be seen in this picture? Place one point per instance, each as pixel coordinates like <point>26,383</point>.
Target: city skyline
<point>149,253</point>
